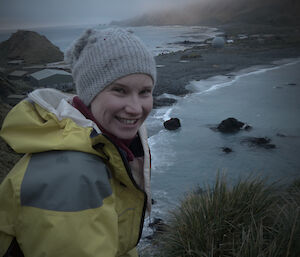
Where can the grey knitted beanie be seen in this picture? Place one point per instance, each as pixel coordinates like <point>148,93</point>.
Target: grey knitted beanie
<point>99,57</point>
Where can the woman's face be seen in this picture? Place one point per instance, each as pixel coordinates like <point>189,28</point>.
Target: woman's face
<point>123,106</point>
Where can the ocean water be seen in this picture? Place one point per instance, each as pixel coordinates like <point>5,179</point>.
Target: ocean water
<point>267,98</point>
<point>159,39</point>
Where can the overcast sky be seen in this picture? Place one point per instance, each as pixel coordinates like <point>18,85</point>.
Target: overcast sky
<point>35,13</point>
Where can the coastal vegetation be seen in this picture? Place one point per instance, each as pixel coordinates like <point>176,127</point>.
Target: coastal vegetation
<point>249,219</point>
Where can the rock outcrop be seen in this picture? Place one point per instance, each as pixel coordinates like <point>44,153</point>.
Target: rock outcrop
<point>226,149</point>
<point>263,142</point>
<point>172,124</point>
<point>231,125</point>
<point>30,47</point>
<point>158,226</point>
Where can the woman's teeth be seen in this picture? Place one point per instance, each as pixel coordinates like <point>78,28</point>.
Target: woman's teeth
<point>126,121</point>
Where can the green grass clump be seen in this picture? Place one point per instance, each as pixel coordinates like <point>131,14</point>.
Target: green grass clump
<point>248,219</point>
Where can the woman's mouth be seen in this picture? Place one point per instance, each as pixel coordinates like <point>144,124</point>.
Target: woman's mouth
<point>127,121</point>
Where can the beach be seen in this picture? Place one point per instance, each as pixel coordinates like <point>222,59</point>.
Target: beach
<point>261,45</point>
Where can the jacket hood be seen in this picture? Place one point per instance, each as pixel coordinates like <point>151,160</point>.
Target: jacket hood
<point>46,120</point>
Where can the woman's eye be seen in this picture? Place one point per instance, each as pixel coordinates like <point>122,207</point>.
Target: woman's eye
<point>146,92</point>
<point>119,90</point>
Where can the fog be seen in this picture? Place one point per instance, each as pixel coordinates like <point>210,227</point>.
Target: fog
<point>38,13</point>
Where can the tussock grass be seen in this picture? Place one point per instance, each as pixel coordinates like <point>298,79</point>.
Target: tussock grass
<point>250,218</point>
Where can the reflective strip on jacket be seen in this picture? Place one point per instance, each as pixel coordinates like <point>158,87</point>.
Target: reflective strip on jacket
<point>73,193</point>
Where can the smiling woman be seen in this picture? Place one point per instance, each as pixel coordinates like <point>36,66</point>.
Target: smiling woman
<point>123,106</point>
<point>83,186</point>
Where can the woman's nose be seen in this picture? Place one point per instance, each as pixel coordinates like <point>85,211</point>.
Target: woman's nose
<point>133,105</point>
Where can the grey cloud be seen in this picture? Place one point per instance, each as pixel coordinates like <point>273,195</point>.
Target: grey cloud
<point>41,12</point>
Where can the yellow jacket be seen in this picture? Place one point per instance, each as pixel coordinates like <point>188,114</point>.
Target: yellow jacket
<point>73,193</point>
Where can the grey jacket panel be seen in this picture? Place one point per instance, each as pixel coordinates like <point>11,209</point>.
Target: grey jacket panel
<point>65,181</point>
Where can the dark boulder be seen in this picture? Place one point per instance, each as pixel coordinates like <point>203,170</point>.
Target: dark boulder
<point>188,42</point>
<point>230,125</point>
<point>281,135</point>
<point>172,124</point>
<point>247,127</point>
<point>158,226</point>
<point>263,142</point>
<point>191,55</point>
<point>226,150</point>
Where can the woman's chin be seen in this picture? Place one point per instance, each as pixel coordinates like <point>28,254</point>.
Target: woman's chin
<point>125,134</point>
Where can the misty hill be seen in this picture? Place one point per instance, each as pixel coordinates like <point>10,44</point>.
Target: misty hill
<point>217,12</point>
<point>29,46</point>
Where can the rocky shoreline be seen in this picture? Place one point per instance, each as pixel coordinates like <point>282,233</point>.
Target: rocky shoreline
<point>251,46</point>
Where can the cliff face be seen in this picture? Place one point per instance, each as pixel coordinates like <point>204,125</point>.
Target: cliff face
<point>30,47</point>
<point>216,12</point>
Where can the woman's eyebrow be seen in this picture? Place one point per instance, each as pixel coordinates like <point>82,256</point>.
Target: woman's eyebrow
<point>124,85</point>
<point>148,87</point>
<point>119,84</point>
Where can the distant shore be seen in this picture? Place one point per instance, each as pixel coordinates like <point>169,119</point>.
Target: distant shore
<point>251,45</point>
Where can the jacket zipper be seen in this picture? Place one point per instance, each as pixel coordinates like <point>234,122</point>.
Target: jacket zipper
<point>128,170</point>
